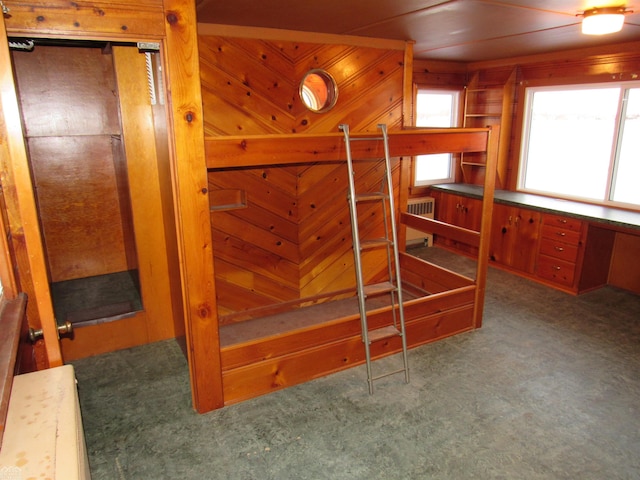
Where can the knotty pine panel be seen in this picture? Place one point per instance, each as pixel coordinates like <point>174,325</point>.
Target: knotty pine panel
<point>253,234</point>
<point>112,19</point>
<point>250,87</point>
<point>274,372</point>
<point>326,269</point>
<point>275,225</point>
<point>247,290</point>
<point>259,190</point>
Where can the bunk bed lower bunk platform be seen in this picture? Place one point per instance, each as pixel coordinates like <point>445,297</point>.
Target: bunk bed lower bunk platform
<point>285,345</point>
<point>297,345</point>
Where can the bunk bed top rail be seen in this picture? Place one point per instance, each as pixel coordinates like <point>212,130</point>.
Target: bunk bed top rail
<point>255,150</point>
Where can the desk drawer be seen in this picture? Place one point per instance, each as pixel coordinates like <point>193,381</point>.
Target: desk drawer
<point>554,233</point>
<point>566,223</point>
<point>556,270</point>
<point>561,250</point>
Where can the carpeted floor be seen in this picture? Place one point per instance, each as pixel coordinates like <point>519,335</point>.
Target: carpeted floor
<point>549,388</point>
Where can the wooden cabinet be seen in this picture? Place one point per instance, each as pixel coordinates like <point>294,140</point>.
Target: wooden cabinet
<point>562,252</point>
<point>514,237</point>
<point>488,101</point>
<point>560,246</point>
<point>461,211</point>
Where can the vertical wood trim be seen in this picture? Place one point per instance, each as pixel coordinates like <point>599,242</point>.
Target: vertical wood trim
<point>407,87</point>
<point>138,132</point>
<point>7,278</point>
<point>17,174</point>
<point>406,178</point>
<point>485,224</point>
<point>192,205</point>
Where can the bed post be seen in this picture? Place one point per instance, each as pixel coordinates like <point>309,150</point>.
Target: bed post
<point>485,224</point>
<point>192,206</point>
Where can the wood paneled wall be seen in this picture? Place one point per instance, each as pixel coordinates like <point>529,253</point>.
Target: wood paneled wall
<point>291,236</point>
<point>593,65</point>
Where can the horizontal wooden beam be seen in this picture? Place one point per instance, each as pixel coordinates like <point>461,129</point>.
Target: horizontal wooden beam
<point>256,150</point>
<point>459,234</point>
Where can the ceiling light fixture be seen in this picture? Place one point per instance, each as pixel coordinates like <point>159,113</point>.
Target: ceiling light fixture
<point>600,21</point>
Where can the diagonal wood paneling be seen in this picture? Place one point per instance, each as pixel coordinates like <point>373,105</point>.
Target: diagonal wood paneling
<point>292,237</point>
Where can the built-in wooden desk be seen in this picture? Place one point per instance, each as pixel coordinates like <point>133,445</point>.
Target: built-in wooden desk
<point>569,245</point>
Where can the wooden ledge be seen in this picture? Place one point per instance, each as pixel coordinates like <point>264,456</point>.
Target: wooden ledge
<point>256,150</point>
<point>11,317</point>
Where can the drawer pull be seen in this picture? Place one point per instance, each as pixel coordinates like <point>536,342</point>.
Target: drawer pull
<point>560,234</point>
<point>555,267</point>
<point>559,249</point>
<point>562,220</point>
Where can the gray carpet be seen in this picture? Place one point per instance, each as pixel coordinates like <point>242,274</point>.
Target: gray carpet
<point>549,388</point>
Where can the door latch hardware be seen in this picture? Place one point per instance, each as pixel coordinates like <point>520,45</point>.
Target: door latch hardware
<point>64,329</point>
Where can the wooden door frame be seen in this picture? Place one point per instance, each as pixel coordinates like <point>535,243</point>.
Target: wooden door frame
<point>23,217</point>
<point>177,32</point>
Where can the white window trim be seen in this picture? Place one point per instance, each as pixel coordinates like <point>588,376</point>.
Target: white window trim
<point>456,120</point>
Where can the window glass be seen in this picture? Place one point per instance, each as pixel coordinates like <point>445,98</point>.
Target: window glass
<point>435,108</point>
<point>572,138</point>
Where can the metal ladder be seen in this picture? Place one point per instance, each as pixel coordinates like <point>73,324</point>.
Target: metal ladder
<point>389,242</point>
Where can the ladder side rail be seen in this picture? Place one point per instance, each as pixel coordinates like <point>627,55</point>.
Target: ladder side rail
<point>398,277</point>
<point>364,326</point>
<point>356,240</point>
<point>388,249</point>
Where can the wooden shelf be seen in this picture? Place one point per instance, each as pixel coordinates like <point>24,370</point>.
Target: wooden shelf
<point>488,103</point>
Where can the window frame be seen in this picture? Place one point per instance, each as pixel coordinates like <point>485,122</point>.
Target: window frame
<point>456,114</point>
<point>529,93</point>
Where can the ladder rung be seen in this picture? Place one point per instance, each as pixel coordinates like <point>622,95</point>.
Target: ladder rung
<point>374,243</point>
<point>373,379</point>
<point>379,288</point>
<point>365,139</point>
<point>382,333</point>
<point>369,197</point>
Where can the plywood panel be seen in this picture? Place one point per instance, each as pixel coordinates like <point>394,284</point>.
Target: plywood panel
<point>79,205</point>
<point>72,124</point>
<point>67,91</point>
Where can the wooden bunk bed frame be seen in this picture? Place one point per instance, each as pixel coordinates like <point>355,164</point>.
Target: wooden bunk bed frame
<point>443,303</point>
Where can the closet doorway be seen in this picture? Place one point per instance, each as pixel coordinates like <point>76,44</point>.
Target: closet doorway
<point>100,202</point>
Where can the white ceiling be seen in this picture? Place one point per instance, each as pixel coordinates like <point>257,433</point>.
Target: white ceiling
<point>456,30</point>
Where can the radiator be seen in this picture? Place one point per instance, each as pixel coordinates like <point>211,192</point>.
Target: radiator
<point>43,435</point>
<point>423,207</point>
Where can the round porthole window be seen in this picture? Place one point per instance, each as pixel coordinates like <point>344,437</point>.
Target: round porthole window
<point>318,91</point>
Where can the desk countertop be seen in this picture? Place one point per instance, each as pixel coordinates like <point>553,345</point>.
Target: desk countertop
<point>613,217</point>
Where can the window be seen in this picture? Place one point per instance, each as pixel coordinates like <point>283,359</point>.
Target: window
<point>318,91</point>
<point>435,108</point>
<point>582,142</point>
